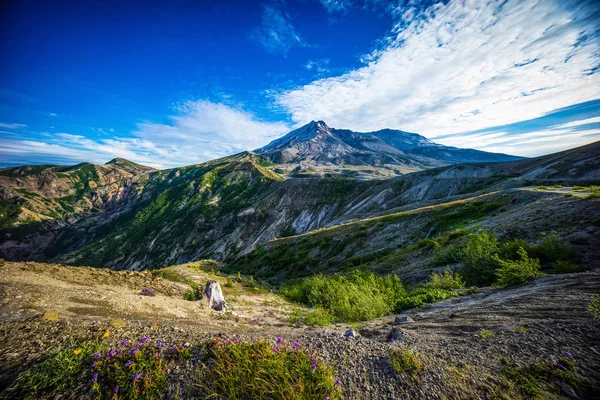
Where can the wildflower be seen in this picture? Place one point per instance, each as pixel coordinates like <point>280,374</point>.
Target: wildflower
<point>296,345</point>
<point>144,339</point>
<point>338,382</point>
<point>76,352</point>
<point>116,389</point>
<point>136,376</point>
<point>569,355</point>
<point>276,349</point>
<point>314,367</point>
<point>129,363</point>
<point>124,342</point>
<point>327,398</point>
<point>159,342</point>
<point>392,341</point>
<point>95,378</point>
<point>94,364</point>
<point>133,351</point>
<point>106,334</point>
<point>97,355</point>
<point>279,340</point>
<point>218,341</point>
<point>560,366</point>
<point>236,339</point>
<point>554,362</point>
<point>174,348</point>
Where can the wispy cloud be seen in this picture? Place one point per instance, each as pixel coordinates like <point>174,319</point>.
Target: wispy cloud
<point>200,131</point>
<point>12,125</point>
<point>464,66</point>
<point>276,33</point>
<point>320,66</point>
<point>333,6</point>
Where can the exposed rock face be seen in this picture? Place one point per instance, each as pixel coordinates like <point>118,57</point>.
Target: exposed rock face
<point>214,296</point>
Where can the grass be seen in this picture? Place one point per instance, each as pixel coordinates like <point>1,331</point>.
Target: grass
<point>57,373</point>
<point>485,334</point>
<point>594,306</point>
<point>520,329</point>
<point>404,361</point>
<point>262,370</point>
<point>536,379</point>
<point>318,317</point>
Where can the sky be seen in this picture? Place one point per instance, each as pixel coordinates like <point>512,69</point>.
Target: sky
<point>179,82</point>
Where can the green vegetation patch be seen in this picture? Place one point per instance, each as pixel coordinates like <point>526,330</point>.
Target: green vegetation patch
<point>263,370</point>
<point>404,361</point>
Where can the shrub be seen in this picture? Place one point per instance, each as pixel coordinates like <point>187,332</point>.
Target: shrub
<point>318,316</point>
<point>135,370</point>
<point>229,283</point>
<point>449,254</point>
<point>447,280</point>
<point>422,296</point>
<point>360,295</point>
<point>55,374</point>
<point>551,249</point>
<point>594,306</point>
<point>405,361</point>
<point>193,294</point>
<point>479,259</point>
<point>262,370</point>
<point>429,242</point>
<point>594,192</point>
<point>520,329</point>
<point>517,272</point>
<point>565,267</point>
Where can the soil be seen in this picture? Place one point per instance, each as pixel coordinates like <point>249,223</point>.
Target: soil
<point>459,362</point>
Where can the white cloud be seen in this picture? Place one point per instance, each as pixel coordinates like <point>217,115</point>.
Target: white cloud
<point>201,131</point>
<point>12,125</point>
<point>333,6</point>
<point>463,66</point>
<point>276,32</point>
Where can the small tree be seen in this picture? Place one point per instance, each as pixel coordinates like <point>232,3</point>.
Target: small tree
<point>479,258</point>
<point>517,272</point>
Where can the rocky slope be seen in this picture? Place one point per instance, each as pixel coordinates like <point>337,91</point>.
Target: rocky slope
<point>138,218</point>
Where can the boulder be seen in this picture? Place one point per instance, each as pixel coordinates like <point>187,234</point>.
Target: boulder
<point>351,333</point>
<point>214,296</point>
<point>396,335</point>
<point>403,320</point>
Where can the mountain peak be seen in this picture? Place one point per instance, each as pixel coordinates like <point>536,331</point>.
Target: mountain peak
<point>128,166</point>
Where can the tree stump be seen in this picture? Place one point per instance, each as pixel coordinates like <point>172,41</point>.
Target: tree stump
<point>214,296</point>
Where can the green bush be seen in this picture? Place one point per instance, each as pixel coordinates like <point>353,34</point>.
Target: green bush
<point>422,296</point>
<point>551,249</point>
<point>193,294</point>
<point>479,259</point>
<point>261,370</point>
<point>360,295</point>
<point>429,242</point>
<point>229,283</point>
<point>318,317</point>
<point>517,272</point>
<point>565,267</point>
<point>446,280</point>
<point>449,254</point>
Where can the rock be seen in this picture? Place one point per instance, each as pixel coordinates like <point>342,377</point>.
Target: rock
<point>118,323</point>
<point>403,320</point>
<point>351,333</point>
<point>396,335</point>
<point>50,316</point>
<point>568,391</point>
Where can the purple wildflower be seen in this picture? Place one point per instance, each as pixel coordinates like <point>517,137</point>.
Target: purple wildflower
<point>279,340</point>
<point>116,389</point>
<point>94,364</point>
<point>159,342</point>
<point>554,362</point>
<point>392,341</point>
<point>296,345</point>
<point>174,348</point>
<point>560,366</point>
<point>314,367</point>
<point>97,355</point>
<point>124,342</point>
<point>338,382</point>
<point>95,378</point>
<point>136,376</point>
<point>148,292</point>
<point>129,363</point>
<point>327,398</point>
<point>568,355</point>
<point>133,351</point>
<point>144,339</point>
<point>276,349</point>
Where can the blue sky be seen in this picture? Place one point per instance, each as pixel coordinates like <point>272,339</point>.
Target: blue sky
<point>181,82</point>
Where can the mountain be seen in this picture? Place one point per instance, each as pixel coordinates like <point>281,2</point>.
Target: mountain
<point>316,146</point>
<point>125,216</point>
